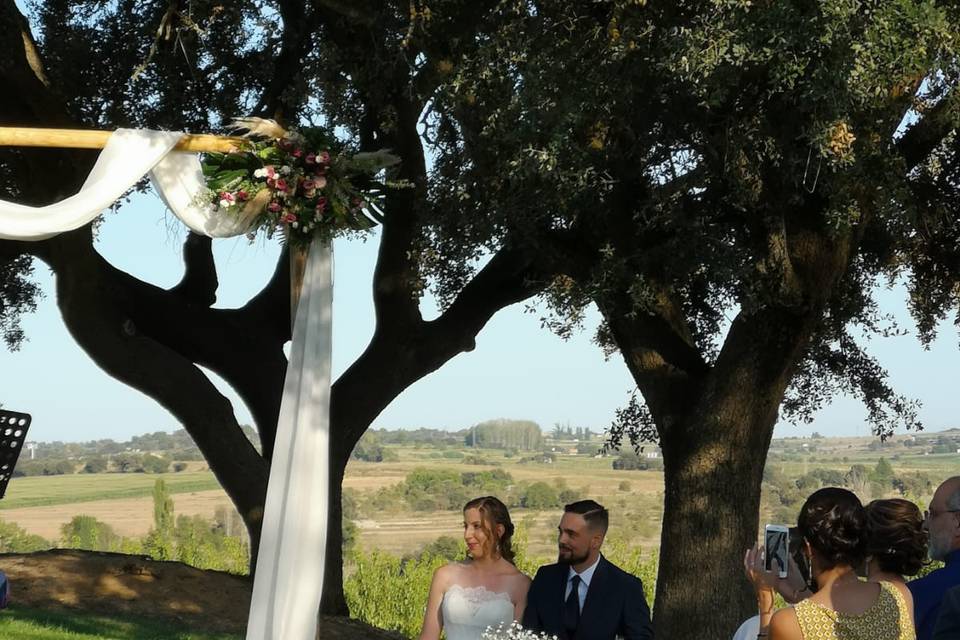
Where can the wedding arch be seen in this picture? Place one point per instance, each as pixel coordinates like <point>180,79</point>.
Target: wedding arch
<point>290,562</point>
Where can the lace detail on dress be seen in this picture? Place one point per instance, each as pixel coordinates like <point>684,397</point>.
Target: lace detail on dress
<point>468,611</point>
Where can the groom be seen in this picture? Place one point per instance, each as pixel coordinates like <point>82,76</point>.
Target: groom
<point>584,596</point>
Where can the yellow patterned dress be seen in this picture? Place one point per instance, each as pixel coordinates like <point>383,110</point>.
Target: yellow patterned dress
<point>886,619</point>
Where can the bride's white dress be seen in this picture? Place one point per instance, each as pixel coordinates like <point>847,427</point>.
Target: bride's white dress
<point>468,611</point>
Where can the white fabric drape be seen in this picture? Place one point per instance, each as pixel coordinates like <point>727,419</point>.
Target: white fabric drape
<point>294,534</point>
<point>287,587</point>
<point>128,156</point>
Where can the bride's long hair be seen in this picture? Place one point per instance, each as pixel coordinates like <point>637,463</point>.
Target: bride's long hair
<point>494,512</point>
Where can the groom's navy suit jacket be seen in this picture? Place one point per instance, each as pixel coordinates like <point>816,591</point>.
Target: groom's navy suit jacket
<point>614,606</point>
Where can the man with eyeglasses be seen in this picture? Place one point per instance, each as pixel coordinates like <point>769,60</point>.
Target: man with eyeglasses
<point>942,522</point>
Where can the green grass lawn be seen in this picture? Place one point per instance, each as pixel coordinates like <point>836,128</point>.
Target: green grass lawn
<point>38,491</point>
<point>34,624</point>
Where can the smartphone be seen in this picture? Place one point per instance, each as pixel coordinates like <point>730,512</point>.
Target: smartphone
<point>776,540</point>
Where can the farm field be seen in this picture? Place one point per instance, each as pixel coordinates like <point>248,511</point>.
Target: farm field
<point>42,504</point>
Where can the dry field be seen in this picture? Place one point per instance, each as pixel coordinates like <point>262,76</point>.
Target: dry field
<point>129,517</point>
<point>53,501</point>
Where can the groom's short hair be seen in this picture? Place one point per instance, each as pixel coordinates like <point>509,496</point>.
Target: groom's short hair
<point>595,514</point>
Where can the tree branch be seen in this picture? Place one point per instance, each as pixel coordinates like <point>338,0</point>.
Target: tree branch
<point>199,283</point>
<point>86,293</point>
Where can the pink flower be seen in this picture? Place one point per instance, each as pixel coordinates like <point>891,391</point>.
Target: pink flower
<point>242,195</point>
<point>296,153</point>
<point>285,144</point>
<point>272,183</point>
<point>323,157</point>
<point>281,185</point>
<point>226,195</point>
<point>271,171</point>
<point>274,206</point>
<point>288,218</point>
<point>321,204</point>
<point>311,158</point>
<point>320,181</point>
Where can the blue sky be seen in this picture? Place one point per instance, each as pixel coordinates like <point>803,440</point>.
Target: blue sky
<point>518,370</point>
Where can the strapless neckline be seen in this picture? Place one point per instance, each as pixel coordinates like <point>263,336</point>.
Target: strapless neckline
<point>479,593</point>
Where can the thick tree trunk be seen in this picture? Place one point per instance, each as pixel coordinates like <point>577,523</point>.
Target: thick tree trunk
<point>710,517</point>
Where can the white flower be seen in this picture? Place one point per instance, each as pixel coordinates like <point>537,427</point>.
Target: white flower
<point>285,170</point>
<point>260,173</point>
<point>513,631</point>
<point>225,204</point>
<point>294,224</point>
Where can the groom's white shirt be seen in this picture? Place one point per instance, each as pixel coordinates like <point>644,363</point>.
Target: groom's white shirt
<point>585,578</point>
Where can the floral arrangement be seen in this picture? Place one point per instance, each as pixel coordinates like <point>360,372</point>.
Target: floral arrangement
<point>513,631</point>
<point>303,183</point>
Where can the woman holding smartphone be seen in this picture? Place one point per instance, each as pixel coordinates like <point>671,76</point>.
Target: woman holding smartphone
<point>833,524</point>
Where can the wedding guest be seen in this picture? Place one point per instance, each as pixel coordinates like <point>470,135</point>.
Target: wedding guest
<point>948,622</point>
<point>832,524</point>
<point>896,544</point>
<point>943,524</point>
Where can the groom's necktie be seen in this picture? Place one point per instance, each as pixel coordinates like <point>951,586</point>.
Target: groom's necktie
<point>571,607</point>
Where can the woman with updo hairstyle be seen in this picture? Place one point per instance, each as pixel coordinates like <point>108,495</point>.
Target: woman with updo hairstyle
<point>896,543</point>
<point>833,527</point>
<point>484,590</point>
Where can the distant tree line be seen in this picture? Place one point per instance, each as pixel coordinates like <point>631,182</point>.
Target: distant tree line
<point>567,432</point>
<point>177,445</point>
<point>505,434</point>
<point>124,462</point>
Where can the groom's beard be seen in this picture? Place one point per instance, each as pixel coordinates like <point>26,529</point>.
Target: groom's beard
<point>569,556</point>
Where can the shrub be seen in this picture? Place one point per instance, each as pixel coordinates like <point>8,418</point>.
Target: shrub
<point>155,464</point>
<point>95,465</point>
<point>15,539</point>
<point>540,495</point>
<point>86,532</point>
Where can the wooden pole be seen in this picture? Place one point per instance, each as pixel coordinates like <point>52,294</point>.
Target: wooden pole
<point>80,139</point>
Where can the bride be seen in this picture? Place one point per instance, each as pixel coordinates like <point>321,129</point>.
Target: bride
<point>486,589</point>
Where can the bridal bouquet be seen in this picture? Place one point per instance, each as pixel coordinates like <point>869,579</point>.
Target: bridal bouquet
<point>302,182</point>
<point>513,631</point>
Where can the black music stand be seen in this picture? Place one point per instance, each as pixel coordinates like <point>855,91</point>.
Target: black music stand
<point>13,433</point>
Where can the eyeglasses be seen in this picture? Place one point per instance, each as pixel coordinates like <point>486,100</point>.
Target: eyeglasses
<point>933,513</point>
